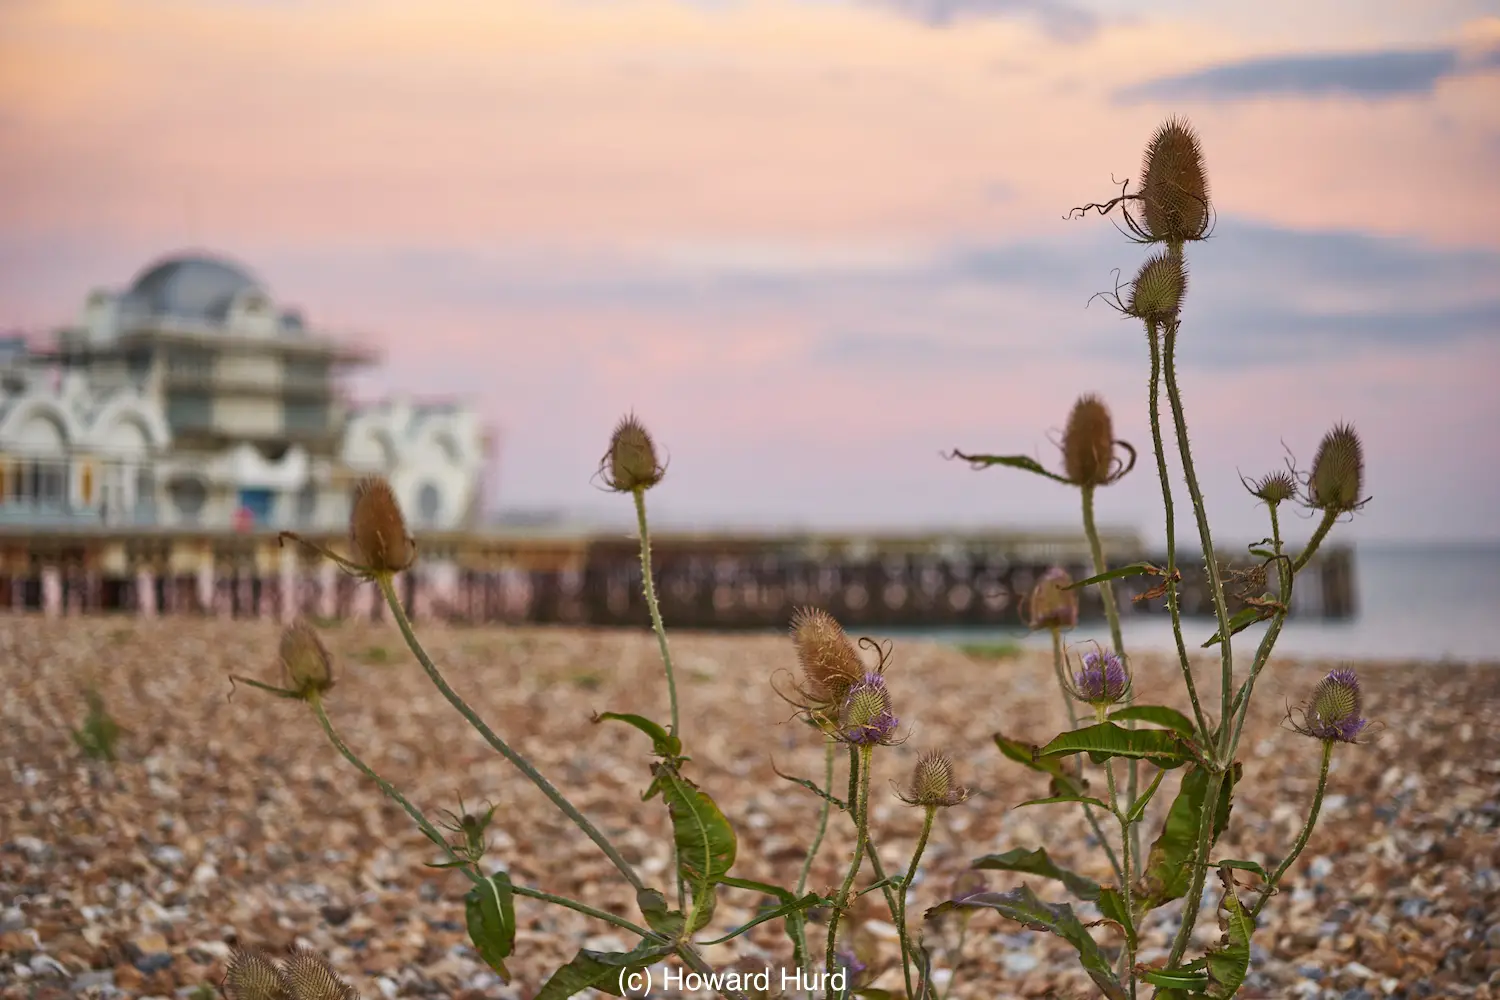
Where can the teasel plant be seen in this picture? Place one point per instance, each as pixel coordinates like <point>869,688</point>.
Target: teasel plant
<point>1169,209</point>
<point>843,701</point>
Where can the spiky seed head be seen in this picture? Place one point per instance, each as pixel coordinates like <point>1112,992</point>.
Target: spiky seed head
<point>377,528</point>
<point>631,463</point>
<point>312,978</point>
<point>830,663</point>
<point>932,782</point>
<point>1174,187</point>
<point>1051,604</point>
<point>865,716</point>
<point>1333,712</point>
<point>253,976</point>
<point>1088,443</point>
<point>1338,471</point>
<point>1275,487</point>
<point>304,659</point>
<point>1102,681</point>
<point>1156,293</point>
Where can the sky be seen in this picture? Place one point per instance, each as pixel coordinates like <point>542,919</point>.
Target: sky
<point>812,244</point>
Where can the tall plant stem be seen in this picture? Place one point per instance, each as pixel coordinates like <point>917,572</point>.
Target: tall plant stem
<point>1112,615</point>
<point>651,602</point>
<point>1307,829</point>
<point>1125,852</point>
<point>812,850</point>
<point>911,872</point>
<point>1240,709</point>
<point>1317,539</point>
<point>388,589</point>
<point>1215,580</point>
<point>861,824</point>
<point>437,838</point>
<point>1088,810</point>
<point>1153,334</point>
<point>1194,897</point>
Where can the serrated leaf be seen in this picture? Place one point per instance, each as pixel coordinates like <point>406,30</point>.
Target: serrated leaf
<point>489,912</point>
<point>1038,862</point>
<point>1023,462</point>
<point>663,744</point>
<point>1063,783</point>
<point>1053,800</point>
<point>1134,569</point>
<point>603,971</point>
<point>1241,620</point>
<point>1022,906</point>
<point>1105,740</point>
<point>1169,862</point>
<point>1157,715</point>
<point>1229,962</point>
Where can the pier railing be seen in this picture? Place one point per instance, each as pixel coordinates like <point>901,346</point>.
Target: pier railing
<point>705,581</point>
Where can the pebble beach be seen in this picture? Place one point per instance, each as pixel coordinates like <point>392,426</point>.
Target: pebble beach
<point>233,822</point>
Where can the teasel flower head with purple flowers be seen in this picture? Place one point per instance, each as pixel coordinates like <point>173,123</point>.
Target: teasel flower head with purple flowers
<point>1101,680</point>
<point>1333,712</point>
<point>865,718</point>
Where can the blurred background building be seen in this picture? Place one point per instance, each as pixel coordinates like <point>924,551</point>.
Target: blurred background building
<point>193,400</point>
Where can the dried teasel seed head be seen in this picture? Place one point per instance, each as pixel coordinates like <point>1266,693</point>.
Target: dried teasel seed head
<point>1156,293</point>
<point>1338,471</point>
<point>253,976</point>
<point>1174,188</point>
<point>1275,487</point>
<point>312,978</point>
<point>932,782</point>
<point>1051,604</point>
<point>304,659</point>
<point>830,663</point>
<point>377,528</point>
<point>1088,443</point>
<point>631,463</point>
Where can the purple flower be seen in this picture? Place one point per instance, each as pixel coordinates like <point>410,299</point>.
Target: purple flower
<point>1333,712</point>
<point>1103,679</point>
<point>865,716</point>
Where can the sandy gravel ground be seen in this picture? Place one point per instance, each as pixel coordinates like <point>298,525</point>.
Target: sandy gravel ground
<point>236,822</point>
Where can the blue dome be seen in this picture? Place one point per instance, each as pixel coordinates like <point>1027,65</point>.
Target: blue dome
<point>190,286</point>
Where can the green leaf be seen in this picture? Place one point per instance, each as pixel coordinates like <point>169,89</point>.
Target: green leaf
<point>1139,809</point>
<point>1112,907</point>
<point>1024,462</point>
<point>1169,862</point>
<point>795,906</point>
<point>1037,862</point>
<point>1157,715</point>
<point>1245,866</point>
<point>1185,978</point>
<point>1134,569</point>
<point>1242,620</point>
<point>1022,905</point>
<point>1105,740</point>
<point>604,971</point>
<point>663,744</point>
<point>795,916</point>
<point>1086,800</point>
<point>489,911</point>
<point>1229,963</point>
<point>810,786</point>
<point>1063,783</point>
<point>659,916</point>
<point>706,843</point>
